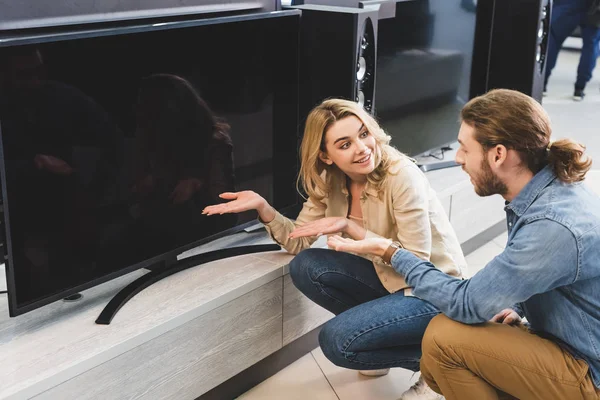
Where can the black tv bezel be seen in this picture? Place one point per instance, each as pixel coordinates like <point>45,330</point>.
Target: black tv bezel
<point>46,37</point>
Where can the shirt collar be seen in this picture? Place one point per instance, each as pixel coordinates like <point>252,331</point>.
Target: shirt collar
<point>531,191</point>
<point>369,188</point>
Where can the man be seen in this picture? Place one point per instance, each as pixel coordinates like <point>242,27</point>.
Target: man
<point>566,16</point>
<point>549,271</point>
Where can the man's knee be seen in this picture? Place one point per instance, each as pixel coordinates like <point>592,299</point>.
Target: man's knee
<point>440,333</point>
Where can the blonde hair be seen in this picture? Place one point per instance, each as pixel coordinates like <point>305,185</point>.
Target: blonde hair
<point>518,122</point>
<point>319,121</point>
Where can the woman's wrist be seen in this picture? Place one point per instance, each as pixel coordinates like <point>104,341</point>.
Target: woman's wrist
<point>266,213</point>
<point>354,230</point>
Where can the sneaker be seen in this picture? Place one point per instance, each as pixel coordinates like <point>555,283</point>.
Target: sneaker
<point>375,372</point>
<point>578,95</point>
<point>545,92</point>
<point>420,391</point>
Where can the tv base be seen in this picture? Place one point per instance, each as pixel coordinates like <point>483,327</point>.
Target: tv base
<point>164,271</point>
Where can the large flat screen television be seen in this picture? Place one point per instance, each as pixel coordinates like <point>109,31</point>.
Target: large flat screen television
<point>26,14</point>
<point>424,57</point>
<point>114,139</point>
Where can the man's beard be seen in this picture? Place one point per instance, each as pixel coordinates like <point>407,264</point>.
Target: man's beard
<point>487,183</point>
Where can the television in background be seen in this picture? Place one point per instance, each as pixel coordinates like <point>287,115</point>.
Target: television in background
<point>114,139</point>
<point>422,67</point>
<point>424,60</point>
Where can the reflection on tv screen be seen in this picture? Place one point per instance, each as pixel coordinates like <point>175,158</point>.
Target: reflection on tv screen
<point>114,145</point>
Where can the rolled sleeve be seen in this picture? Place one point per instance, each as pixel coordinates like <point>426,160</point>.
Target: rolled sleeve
<point>532,263</point>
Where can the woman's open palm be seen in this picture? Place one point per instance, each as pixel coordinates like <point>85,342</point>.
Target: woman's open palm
<point>240,202</point>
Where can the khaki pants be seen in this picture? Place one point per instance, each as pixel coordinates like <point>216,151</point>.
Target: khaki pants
<point>495,361</point>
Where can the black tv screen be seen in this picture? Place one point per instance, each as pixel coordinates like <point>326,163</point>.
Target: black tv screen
<point>114,139</point>
<point>424,57</point>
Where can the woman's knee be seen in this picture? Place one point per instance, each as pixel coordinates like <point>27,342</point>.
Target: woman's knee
<point>302,266</point>
<point>331,341</point>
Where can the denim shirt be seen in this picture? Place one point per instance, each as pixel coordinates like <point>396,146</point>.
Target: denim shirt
<point>550,269</point>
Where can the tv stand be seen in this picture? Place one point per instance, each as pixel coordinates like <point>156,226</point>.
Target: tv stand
<point>438,165</point>
<point>165,270</point>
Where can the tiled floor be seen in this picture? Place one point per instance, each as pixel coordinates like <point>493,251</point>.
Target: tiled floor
<point>341,384</point>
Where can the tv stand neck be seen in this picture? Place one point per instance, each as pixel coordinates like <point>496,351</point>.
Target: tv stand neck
<point>165,270</point>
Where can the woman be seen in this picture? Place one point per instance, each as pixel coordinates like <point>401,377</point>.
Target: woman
<point>360,187</point>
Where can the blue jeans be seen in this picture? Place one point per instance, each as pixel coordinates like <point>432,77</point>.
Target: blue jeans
<point>372,329</point>
<point>566,16</point>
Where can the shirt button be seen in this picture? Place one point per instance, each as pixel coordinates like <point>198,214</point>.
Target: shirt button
<point>510,224</point>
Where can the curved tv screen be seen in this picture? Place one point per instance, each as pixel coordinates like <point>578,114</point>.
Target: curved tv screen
<point>114,141</point>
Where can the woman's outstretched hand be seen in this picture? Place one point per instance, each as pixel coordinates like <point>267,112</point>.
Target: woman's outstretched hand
<point>371,246</point>
<point>240,202</point>
<point>323,226</point>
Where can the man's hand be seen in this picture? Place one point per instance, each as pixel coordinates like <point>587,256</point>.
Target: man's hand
<point>507,316</point>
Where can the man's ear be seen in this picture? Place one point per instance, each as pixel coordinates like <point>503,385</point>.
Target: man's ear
<point>323,157</point>
<point>497,155</point>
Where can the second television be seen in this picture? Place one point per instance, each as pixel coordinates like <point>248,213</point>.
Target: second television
<point>423,65</point>
<point>114,139</point>
<point>424,57</point>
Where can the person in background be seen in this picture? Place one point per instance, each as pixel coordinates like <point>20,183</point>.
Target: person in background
<point>566,16</point>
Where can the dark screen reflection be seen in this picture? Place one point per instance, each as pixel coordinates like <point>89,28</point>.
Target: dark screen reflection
<point>183,161</point>
<point>113,146</point>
